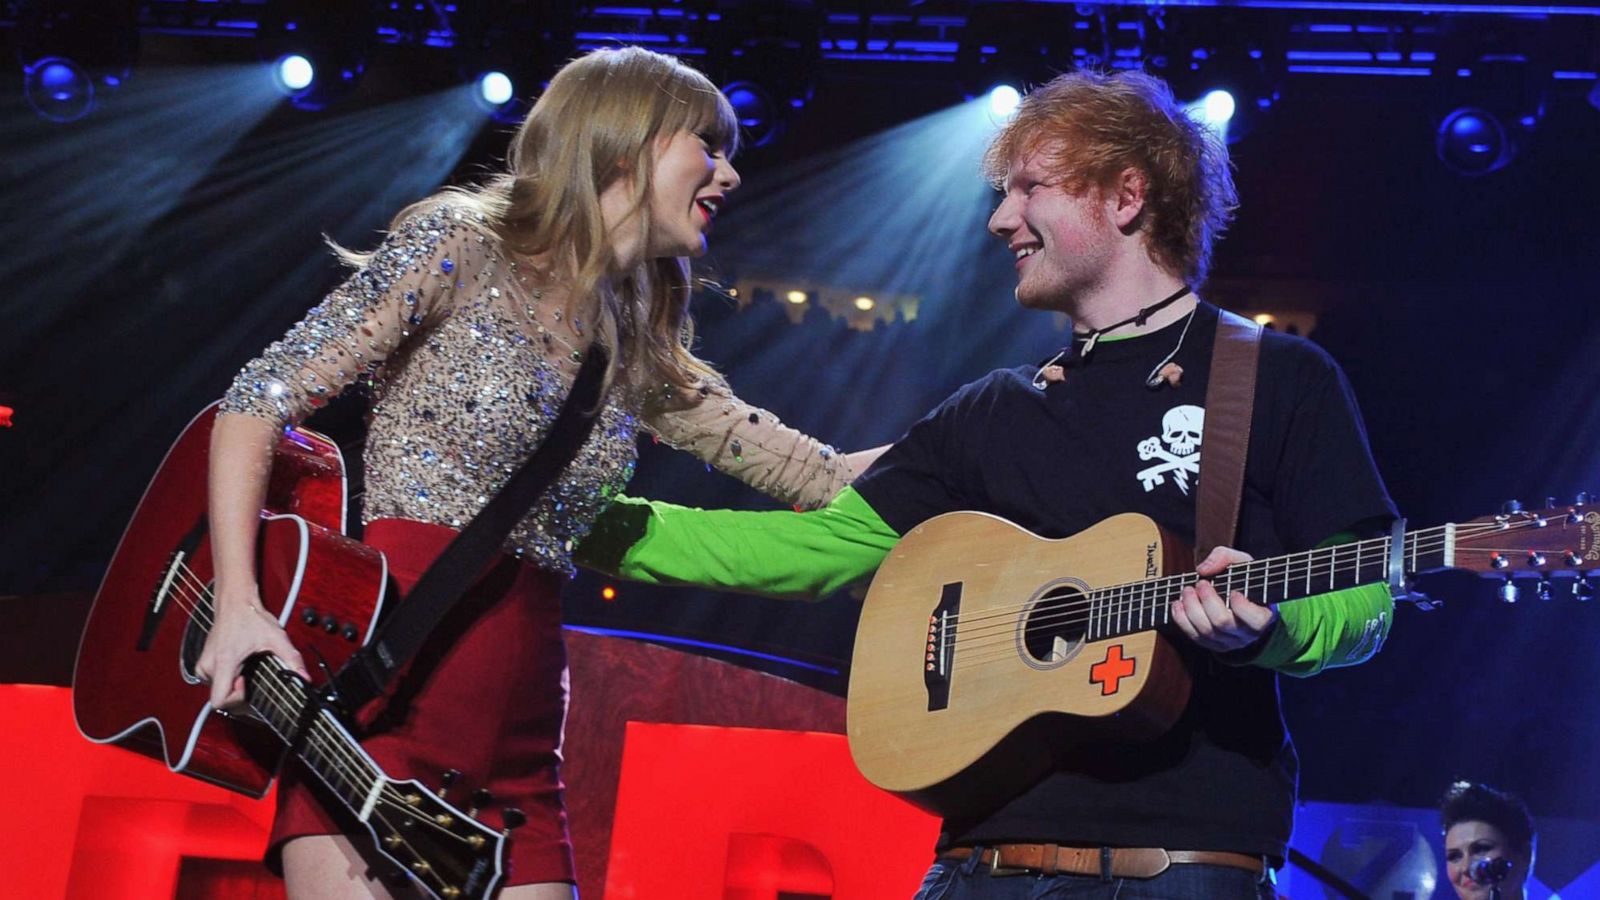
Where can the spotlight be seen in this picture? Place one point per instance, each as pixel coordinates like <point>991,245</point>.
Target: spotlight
<point>1236,71</point>
<point>58,89</point>
<point>494,90</point>
<point>1003,101</point>
<point>796,297</point>
<point>759,117</point>
<point>73,52</point>
<point>865,304</point>
<point>318,50</point>
<point>294,73</point>
<point>525,42</point>
<point>1021,45</point>
<point>766,57</point>
<point>1472,141</point>
<point>1218,107</point>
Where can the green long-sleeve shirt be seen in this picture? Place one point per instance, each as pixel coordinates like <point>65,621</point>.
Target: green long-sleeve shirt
<point>808,555</point>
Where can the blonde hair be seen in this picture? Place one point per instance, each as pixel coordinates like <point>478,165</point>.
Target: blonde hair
<point>599,121</point>
<point>1093,126</point>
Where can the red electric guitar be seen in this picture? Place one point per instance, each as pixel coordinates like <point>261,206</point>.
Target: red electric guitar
<point>135,684</point>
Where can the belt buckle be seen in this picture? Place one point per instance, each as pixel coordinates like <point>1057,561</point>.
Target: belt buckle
<point>998,871</point>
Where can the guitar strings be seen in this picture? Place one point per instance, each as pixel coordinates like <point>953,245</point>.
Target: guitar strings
<point>979,647</point>
<point>1249,570</point>
<point>351,769</point>
<point>1137,598</point>
<point>1140,601</point>
<point>1127,616</point>
<point>201,613</point>
<point>198,610</point>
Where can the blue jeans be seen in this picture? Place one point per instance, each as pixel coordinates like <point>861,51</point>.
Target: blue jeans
<point>970,880</point>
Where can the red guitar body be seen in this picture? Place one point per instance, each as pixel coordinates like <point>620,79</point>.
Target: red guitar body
<point>135,684</point>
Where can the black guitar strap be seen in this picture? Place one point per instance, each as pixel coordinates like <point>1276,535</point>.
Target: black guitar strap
<point>402,634</point>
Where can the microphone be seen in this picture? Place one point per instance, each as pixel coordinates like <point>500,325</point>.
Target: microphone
<point>1489,870</point>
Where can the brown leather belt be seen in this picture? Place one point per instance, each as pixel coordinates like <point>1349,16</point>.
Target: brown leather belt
<point>1107,862</point>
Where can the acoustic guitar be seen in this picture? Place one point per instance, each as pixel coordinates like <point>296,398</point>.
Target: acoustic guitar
<point>982,647</point>
<point>135,682</point>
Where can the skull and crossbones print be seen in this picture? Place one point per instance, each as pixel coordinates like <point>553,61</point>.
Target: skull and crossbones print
<point>1177,448</point>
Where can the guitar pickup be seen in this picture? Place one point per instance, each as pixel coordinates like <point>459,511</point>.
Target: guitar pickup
<point>939,655</point>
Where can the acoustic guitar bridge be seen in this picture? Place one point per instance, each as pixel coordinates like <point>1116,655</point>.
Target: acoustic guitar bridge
<point>941,647</point>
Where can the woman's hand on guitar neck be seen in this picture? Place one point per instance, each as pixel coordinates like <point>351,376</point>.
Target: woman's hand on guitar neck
<point>1217,624</point>
<point>242,629</point>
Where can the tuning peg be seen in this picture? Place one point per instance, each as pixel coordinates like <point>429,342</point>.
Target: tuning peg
<point>480,798</point>
<point>1508,591</point>
<point>1542,590</point>
<point>449,778</point>
<point>1583,589</point>
<point>1511,506</point>
<point>1581,499</point>
<point>1549,503</point>
<point>513,818</point>
<point>1536,559</point>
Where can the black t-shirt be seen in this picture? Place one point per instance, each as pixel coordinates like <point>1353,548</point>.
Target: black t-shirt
<point>1099,443</point>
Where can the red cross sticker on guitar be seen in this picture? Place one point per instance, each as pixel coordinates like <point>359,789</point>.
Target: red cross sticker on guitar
<point>1109,672</point>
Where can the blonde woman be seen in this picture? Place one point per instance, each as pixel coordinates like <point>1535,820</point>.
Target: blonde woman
<point>472,319</point>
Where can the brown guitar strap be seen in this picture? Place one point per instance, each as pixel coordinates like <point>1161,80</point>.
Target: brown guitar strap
<point>1230,398</point>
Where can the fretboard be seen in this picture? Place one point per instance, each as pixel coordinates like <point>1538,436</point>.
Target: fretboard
<point>1143,605</point>
<point>328,749</point>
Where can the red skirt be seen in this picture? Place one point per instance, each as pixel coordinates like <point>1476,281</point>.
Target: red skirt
<point>487,695</point>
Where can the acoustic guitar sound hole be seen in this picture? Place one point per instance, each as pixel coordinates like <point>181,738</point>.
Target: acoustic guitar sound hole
<point>194,638</point>
<point>1054,627</point>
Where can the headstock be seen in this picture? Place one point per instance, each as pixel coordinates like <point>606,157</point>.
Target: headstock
<point>448,853</point>
<point>1534,546</point>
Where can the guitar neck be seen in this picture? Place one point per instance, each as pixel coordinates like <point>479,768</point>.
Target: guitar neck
<point>279,698</point>
<point>1143,605</point>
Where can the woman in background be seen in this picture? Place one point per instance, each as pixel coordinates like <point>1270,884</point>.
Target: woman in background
<point>1489,842</point>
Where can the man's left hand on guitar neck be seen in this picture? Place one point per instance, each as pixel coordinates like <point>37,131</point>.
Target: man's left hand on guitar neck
<point>1217,624</point>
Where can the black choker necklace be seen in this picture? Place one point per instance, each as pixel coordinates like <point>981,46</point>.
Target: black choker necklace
<point>1054,369</point>
<point>1138,318</point>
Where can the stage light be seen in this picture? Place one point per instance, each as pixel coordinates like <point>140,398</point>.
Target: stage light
<point>294,73</point>
<point>1003,101</point>
<point>865,304</point>
<point>608,593</point>
<point>495,88</point>
<point>1472,141</point>
<point>73,52</point>
<point>766,58</point>
<point>58,89</point>
<point>796,297</point>
<point>759,117</point>
<point>1218,107</point>
<point>318,51</point>
<point>506,54</point>
<point>1264,319</point>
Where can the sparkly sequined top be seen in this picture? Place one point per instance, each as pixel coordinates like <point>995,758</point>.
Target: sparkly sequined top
<point>469,367</point>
